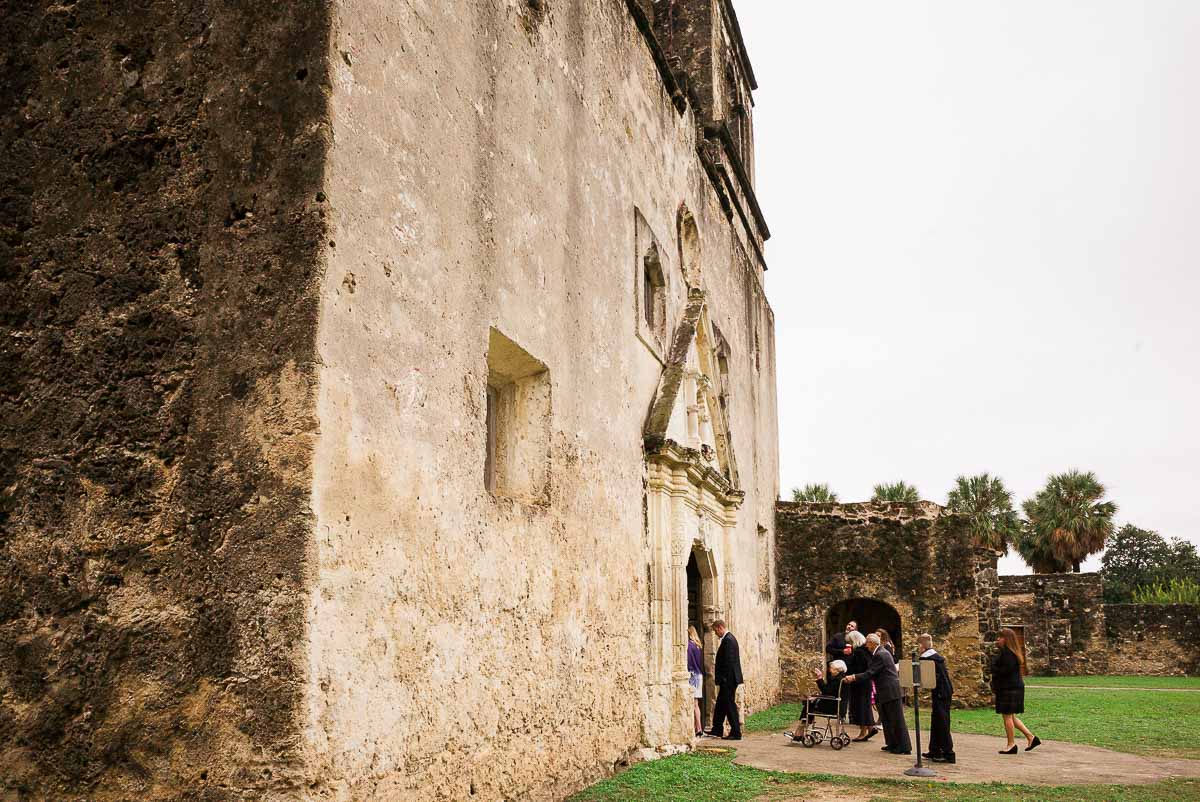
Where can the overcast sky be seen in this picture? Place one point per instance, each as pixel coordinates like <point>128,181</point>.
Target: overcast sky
<point>985,250</point>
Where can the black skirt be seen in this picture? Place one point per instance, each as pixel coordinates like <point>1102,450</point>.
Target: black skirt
<point>860,704</point>
<point>1010,700</point>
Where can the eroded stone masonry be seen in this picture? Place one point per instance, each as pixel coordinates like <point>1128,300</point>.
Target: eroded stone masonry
<point>385,388</point>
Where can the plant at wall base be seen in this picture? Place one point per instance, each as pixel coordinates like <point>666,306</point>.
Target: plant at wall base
<point>986,502</point>
<point>1067,522</point>
<point>820,494</point>
<point>1175,591</point>
<point>897,491</point>
<point>1139,557</point>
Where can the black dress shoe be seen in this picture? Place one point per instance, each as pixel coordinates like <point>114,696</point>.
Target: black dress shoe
<point>1034,744</point>
<point>872,734</point>
<point>930,755</point>
<point>732,737</point>
<point>943,759</point>
<point>713,735</point>
<point>1012,751</point>
<point>901,751</point>
<point>885,749</point>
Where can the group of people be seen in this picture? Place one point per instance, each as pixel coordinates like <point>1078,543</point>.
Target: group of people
<point>861,678</point>
<point>861,674</point>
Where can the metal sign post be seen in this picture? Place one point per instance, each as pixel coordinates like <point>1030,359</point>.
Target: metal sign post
<point>912,679</point>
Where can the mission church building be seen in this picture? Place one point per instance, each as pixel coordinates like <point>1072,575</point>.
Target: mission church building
<point>430,380</point>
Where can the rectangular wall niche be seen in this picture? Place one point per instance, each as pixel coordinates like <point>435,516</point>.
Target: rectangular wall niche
<point>518,422</point>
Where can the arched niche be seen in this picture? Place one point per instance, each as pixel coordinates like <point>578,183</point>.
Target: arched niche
<point>689,247</point>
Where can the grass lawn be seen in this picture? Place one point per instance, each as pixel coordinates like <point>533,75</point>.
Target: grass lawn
<point>1142,722</point>
<point>701,777</point>
<point>1175,683</point>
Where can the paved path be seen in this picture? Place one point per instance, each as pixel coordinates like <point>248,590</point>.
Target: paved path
<point>1052,763</point>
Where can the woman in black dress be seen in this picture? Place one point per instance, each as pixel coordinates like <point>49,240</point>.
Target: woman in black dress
<point>860,692</point>
<point>1009,689</point>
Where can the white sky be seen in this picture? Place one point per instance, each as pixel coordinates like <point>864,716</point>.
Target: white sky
<point>986,244</point>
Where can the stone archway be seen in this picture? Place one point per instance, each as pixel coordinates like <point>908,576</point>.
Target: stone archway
<point>871,614</point>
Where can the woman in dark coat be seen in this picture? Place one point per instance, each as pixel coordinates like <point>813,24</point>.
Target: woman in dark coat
<point>860,692</point>
<point>1009,689</point>
<point>826,704</point>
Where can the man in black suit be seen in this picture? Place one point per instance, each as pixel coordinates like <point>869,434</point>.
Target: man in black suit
<point>836,648</point>
<point>728,676</point>
<point>882,668</point>
<point>941,745</point>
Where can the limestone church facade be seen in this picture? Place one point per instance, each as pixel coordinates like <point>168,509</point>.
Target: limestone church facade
<point>392,387</point>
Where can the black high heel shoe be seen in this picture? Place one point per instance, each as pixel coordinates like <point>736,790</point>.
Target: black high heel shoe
<point>1012,751</point>
<point>1034,744</point>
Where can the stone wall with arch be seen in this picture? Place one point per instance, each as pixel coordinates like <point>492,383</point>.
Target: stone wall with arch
<point>916,561</point>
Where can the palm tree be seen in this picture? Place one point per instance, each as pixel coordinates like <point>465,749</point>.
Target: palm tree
<point>1067,520</point>
<point>899,491</point>
<point>986,502</point>
<point>1036,552</point>
<point>815,493</point>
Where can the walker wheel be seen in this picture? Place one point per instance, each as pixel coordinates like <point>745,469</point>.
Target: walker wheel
<point>810,740</point>
<point>845,739</point>
<point>836,742</point>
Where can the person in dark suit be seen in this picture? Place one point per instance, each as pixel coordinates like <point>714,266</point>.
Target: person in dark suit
<point>836,648</point>
<point>941,744</point>
<point>1009,689</point>
<point>882,669</point>
<point>728,676</point>
<point>860,693</point>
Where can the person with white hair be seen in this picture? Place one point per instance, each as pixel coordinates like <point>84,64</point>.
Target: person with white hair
<point>860,694</point>
<point>881,669</point>
<point>826,703</point>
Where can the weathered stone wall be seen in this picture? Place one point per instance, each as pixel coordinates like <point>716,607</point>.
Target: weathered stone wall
<point>490,164</point>
<point>1063,620</point>
<point>160,241</point>
<point>254,259</point>
<point>914,557</point>
<point>1152,639</point>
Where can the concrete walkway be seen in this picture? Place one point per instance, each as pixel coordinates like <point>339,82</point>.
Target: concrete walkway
<point>1052,763</point>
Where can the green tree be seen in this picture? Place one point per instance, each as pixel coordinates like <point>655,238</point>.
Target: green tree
<point>988,505</point>
<point>815,493</point>
<point>1067,522</point>
<point>1133,557</point>
<point>1136,557</point>
<point>898,491</point>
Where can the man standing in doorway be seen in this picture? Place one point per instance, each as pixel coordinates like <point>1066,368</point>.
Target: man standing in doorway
<point>882,669</point>
<point>728,676</point>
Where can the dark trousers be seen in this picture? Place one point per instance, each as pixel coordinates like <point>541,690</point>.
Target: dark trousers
<point>726,708</point>
<point>940,742</point>
<point>895,731</point>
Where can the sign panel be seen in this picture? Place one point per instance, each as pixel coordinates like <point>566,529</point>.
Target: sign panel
<point>926,674</point>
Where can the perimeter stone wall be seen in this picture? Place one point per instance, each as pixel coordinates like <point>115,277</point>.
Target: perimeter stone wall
<point>1062,618</point>
<point>916,558</point>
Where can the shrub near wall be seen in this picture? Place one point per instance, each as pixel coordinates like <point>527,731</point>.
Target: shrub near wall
<point>1153,639</point>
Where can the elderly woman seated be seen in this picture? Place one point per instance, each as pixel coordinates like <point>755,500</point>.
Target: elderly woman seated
<point>826,703</point>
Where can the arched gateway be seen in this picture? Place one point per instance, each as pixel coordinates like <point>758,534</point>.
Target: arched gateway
<point>870,615</point>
